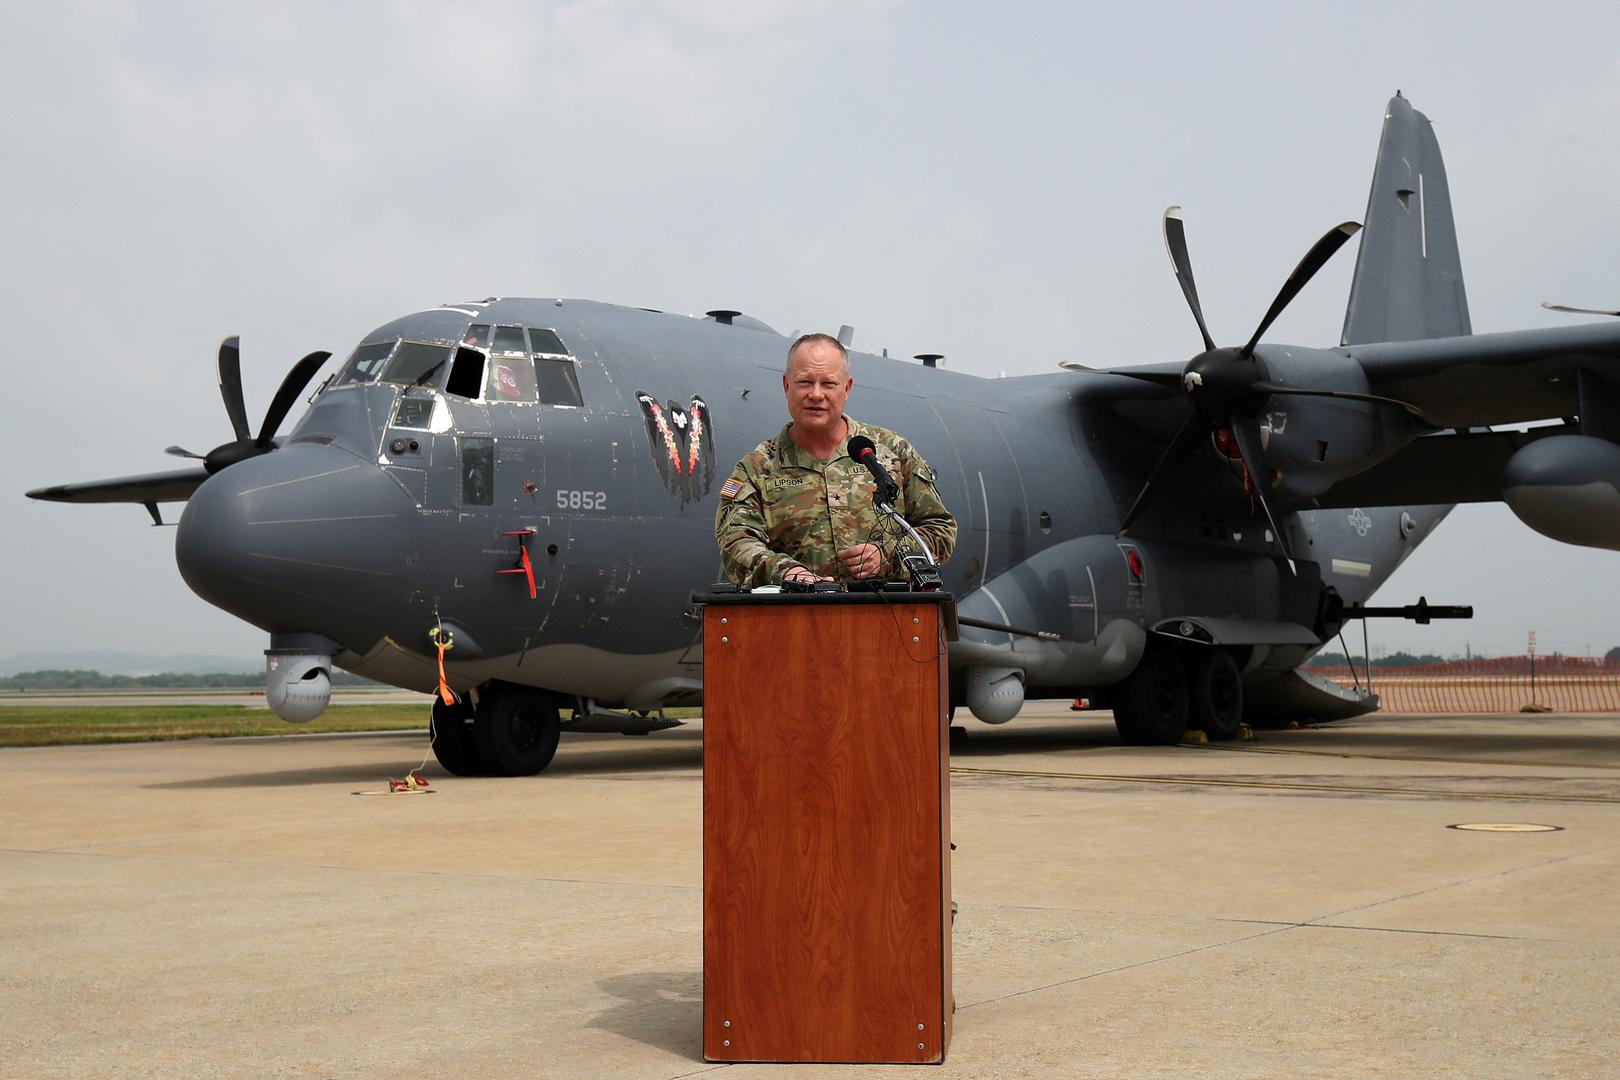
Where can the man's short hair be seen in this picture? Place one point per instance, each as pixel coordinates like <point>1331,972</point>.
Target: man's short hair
<point>805,339</point>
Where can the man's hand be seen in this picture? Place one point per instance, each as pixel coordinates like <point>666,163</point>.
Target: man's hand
<point>862,560</point>
<point>804,574</point>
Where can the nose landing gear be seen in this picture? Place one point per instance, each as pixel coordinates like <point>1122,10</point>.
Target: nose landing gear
<point>511,731</point>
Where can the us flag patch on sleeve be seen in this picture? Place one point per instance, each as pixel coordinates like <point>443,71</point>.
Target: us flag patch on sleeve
<point>729,489</point>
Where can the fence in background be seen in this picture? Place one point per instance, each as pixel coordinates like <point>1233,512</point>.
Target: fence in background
<point>1501,684</point>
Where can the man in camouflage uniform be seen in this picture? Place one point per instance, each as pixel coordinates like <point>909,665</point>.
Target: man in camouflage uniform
<point>798,508</point>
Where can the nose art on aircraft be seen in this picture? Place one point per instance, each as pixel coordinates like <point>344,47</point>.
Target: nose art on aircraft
<point>306,539</point>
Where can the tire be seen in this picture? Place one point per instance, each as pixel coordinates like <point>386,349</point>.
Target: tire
<point>516,731</point>
<point>452,735</point>
<point>1150,707</point>
<point>1215,694</point>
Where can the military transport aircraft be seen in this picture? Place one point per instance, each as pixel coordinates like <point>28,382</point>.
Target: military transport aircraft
<point>514,499</point>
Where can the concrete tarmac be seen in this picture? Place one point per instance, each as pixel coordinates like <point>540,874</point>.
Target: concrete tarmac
<point>1295,906</point>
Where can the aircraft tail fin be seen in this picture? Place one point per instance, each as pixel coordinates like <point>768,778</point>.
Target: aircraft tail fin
<point>1408,282</point>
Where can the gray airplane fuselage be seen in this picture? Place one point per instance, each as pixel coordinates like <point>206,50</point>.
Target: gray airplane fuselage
<point>393,511</point>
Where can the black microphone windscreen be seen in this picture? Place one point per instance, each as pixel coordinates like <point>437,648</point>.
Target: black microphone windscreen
<point>860,446</point>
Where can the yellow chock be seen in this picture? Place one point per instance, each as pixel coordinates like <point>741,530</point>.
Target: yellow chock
<point>1245,733</point>
<point>1194,736</point>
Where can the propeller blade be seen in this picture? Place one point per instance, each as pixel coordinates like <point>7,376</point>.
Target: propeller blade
<point>1175,242</point>
<point>1247,431</point>
<point>180,451</point>
<point>292,385</point>
<point>229,368</point>
<point>1577,310</point>
<point>1158,378</point>
<point>1188,437</point>
<point>1278,388</point>
<point>1314,260</point>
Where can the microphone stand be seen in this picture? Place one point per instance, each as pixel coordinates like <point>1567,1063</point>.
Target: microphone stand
<point>920,568</point>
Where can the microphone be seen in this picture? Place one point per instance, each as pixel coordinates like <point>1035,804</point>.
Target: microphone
<point>862,450</point>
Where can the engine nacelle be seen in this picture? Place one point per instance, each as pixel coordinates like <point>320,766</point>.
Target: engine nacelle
<point>1313,442</point>
<point>995,695</point>
<point>1567,487</point>
<point>298,686</point>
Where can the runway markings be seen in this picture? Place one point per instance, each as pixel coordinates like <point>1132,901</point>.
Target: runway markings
<point>1261,785</point>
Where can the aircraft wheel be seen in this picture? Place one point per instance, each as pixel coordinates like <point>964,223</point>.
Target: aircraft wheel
<point>1150,707</point>
<point>517,730</point>
<point>453,738</point>
<point>1215,694</point>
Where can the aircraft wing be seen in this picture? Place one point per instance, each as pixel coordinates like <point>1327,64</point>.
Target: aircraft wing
<point>1491,379</point>
<point>1465,467</point>
<point>149,488</point>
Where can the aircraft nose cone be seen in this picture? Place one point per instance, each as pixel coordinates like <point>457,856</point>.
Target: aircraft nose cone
<point>306,539</point>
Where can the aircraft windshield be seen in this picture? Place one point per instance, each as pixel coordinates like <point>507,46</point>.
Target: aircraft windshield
<point>417,363</point>
<point>366,361</point>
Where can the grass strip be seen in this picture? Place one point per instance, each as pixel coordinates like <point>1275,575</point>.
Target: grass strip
<point>68,725</point>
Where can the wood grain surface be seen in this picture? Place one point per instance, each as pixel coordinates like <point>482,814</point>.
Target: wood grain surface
<point>826,834</point>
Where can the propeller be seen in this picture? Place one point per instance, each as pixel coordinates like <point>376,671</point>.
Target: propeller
<point>1577,310</point>
<point>1228,387</point>
<point>246,444</point>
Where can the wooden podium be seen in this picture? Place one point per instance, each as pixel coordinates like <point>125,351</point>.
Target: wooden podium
<point>826,828</point>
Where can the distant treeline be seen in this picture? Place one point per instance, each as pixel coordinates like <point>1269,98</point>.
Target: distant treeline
<point>167,680</point>
<point>1406,659</point>
<point>1395,659</point>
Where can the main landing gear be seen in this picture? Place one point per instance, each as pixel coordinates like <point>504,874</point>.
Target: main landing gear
<point>512,731</point>
<point>1174,689</point>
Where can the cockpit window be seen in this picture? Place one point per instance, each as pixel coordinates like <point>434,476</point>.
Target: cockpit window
<point>508,341</point>
<point>417,363</point>
<point>365,362</point>
<point>511,378</point>
<point>546,341</point>
<point>559,383</point>
<point>477,336</point>
<point>554,369</point>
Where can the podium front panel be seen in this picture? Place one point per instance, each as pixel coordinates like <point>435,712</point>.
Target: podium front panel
<point>826,923</point>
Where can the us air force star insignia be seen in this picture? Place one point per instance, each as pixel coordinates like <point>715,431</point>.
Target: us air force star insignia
<point>1359,521</point>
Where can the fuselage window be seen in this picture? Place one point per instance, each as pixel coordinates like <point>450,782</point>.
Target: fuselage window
<point>477,472</point>
<point>511,373</point>
<point>365,362</point>
<point>466,373</point>
<point>555,371</point>
<point>417,363</point>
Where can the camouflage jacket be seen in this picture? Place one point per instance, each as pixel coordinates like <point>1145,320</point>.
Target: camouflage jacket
<point>782,508</point>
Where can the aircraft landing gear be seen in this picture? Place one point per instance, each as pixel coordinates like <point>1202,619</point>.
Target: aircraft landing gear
<point>517,729</point>
<point>452,733</point>
<point>1150,707</point>
<point>1215,693</point>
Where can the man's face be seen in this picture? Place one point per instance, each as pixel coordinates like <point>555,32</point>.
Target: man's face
<point>817,385</point>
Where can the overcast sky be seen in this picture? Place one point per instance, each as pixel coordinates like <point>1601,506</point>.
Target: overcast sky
<point>982,181</point>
